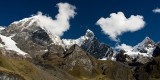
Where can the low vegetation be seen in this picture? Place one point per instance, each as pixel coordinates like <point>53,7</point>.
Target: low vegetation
<point>23,69</point>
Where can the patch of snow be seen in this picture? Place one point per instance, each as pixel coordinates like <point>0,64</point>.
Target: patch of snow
<point>56,39</point>
<point>107,52</point>
<point>69,42</point>
<point>46,50</point>
<point>103,59</point>
<point>150,50</point>
<point>134,54</point>
<point>21,21</point>
<point>113,59</point>
<point>1,45</point>
<point>11,45</point>
<point>1,28</point>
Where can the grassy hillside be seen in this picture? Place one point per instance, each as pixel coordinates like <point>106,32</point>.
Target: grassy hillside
<point>23,69</point>
<point>111,70</point>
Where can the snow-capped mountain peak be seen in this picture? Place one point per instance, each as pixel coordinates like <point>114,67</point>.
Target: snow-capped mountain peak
<point>145,45</point>
<point>89,33</point>
<point>55,26</point>
<point>141,53</point>
<point>147,42</point>
<point>143,50</point>
<point>38,22</point>
<point>34,21</point>
<point>87,37</point>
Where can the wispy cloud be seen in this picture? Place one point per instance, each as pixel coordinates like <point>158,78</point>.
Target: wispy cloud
<point>117,24</point>
<point>61,23</point>
<point>157,10</point>
<point>124,47</point>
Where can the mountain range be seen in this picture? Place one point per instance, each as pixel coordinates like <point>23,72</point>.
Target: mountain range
<point>30,51</point>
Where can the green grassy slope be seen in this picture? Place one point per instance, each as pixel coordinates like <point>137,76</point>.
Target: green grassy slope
<point>23,68</point>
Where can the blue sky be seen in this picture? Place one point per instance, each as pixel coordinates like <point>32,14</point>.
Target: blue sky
<point>88,13</point>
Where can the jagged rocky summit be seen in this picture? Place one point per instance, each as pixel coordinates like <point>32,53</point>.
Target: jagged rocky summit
<point>30,33</point>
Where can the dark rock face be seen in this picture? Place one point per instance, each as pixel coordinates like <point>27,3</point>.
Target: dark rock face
<point>121,57</point>
<point>40,37</point>
<point>1,42</point>
<point>97,49</point>
<point>149,71</point>
<point>156,51</point>
<point>76,56</point>
<point>54,54</point>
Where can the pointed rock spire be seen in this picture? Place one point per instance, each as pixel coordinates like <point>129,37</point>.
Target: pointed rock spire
<point>89,33</point>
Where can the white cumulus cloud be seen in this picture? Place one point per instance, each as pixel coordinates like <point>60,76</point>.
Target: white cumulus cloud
<point>124,47</point>
<point>61,23</point>
<point>117,24</point>
<point>157,10</point>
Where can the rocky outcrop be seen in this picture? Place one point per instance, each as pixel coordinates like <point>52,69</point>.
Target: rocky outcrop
<point>77,62</point>
<point>156,51</point>
<point>97,49</point>
<point>124,58</point>
<point>149,71</point>
<point>9,76</point>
